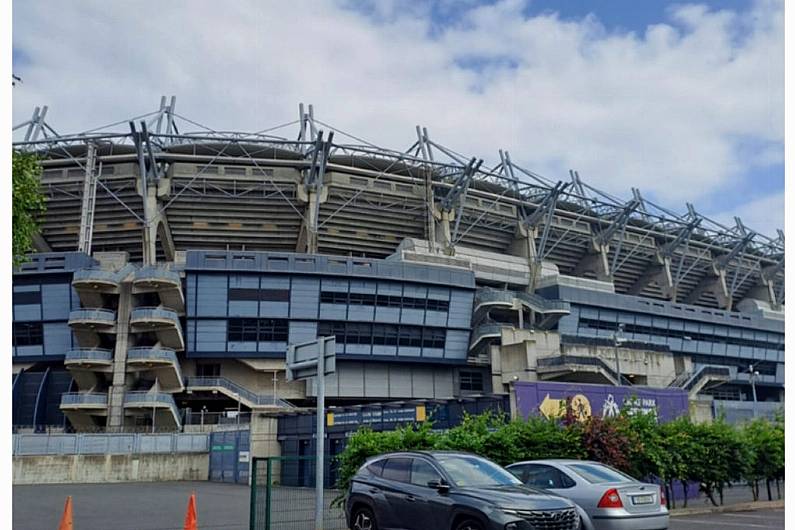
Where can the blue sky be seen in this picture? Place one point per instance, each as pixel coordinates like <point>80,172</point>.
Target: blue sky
<point>682,100</point>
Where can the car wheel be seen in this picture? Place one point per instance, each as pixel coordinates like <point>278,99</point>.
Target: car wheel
<point>363,519</point>
<point>469,524</point>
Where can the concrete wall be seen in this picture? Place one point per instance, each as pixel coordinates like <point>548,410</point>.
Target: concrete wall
<point>65,469</point>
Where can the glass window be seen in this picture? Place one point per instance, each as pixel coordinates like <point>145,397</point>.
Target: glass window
<point>547,477</point>
<point>471,381</point>
<point>28,334</point>
<point>376,468</point>
<point>470,470</point>
<point>397,469</point>
<point>600,473</point>
<point>422,472</point>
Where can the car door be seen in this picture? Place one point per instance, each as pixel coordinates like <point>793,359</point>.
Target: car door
<point>394,488</point>
<point>425,506</point>
<point>554,480</point>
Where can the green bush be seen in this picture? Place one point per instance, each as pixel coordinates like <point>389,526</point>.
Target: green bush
<point>712,454</point>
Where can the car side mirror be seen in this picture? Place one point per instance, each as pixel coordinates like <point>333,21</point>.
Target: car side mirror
<point>439,485</point>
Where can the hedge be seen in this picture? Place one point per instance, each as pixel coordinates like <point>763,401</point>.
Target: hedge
<point>713,455</point>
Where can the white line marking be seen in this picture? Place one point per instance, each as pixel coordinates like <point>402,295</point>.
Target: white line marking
<point>722,523</point>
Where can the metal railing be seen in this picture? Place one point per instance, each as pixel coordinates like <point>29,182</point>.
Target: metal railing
<point>715,371</point>
<point>149,313</point>
<point>561,360</point>
<point>88,354</point>
<point>157,273</point>
<point>84,398</point>
<point>537,303</point>
<point>95,314</point>
<point>148,354</point>
<point>234,388</point>
<point>95,275</point>
<point>108,443</point>
<point>147,399</point>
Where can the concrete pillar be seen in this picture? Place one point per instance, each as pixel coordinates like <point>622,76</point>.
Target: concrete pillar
<point>115,421</point>
<point>443,234</point>
<point>595,261</point>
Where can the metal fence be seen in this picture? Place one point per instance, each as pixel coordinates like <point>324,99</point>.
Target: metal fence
<point>92,444</point>
<point>740,411</point>
<point>283,496</point>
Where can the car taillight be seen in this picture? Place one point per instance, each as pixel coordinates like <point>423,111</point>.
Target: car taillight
<point>662,497</point>
<point>610,500</point>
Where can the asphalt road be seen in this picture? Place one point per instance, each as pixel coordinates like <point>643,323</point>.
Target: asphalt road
<point>762,519</point>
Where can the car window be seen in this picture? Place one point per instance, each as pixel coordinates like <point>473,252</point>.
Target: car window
<point>422,472</point>
<point>547,477</point>
<point>519,472</point>
<point>376,467</point>
<point>471,470</point>
<point>600,473</point>
<point>397,469</point>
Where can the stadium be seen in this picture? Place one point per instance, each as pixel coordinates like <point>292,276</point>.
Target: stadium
<point>176,263</point>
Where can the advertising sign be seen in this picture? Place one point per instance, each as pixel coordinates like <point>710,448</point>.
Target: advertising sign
<point>549,399</point>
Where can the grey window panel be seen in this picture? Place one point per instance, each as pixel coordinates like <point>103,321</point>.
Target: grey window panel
<point>707,329</point>
<point>57,338</point>
<point>191,337</point>
<point>433,353</point>
<point>359,286</point>
<point>719,348</point>
<point>642,320</point>
<point>241,346</point>
<point>332,284</point>
<point>435,318</point>
<point>75,299</point>
<point>274,282</point>
<point>243,281</point>
<point>387,314</point>
<point>380,349</point>
<point>415,291</point>
<point>243,308</point>
<point>422,382</point>
<point>26,288</point>
<point>438,293</point>
<point>211,295</point>
<point>412,316</point>
<point>677,325</point>
<point>55,301</point>
<point>376,380</point>
<point>332,311</point>
<point>732,350</point>
<point>271,346</point>
<point>627,318</point>
<point>746,352</point>
<point>29,350</point>
<point>358,349</point>
<point>704,346</point>
<point>409,351</point>
<point>359,312</point>
<point>27,312</point>
<point>443,383</point>
<point>390,288</point>
<point>209,345</point>
<point>274,309</point>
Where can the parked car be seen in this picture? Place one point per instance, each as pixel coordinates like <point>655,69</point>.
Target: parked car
<point>439,490</point>
<point>610,499</point>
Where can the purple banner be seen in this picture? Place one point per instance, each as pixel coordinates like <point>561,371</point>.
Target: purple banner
<point>549,399</point>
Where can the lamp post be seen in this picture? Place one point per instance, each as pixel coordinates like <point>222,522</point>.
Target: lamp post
<point>617,341</point>
<point>237,397</point>
<point>752,378</point>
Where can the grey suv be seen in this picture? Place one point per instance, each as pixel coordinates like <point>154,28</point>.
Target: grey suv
<point>439,490</point>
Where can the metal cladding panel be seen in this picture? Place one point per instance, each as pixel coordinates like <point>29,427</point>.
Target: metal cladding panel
<point>241,346</point>
<point>27,312</point>
<point>243,308</point>
<point>460,312</point>
<point>602,400</point>
<point>383,349</point>
<point>436,318</point>
<point>55,301</point>
<point>422,383</point>
<point>29,350</point>
<point>304,298</point>
<point>443,383</point>
<point>376,379</point>
<point>302,332</point>
<point>400,382</point>
<point>351,380</point>
<point>456,345</point>
<point>57,338</point>
<point>191,334</point>
<point>211,295</point>
<point>387,314</point>
<point>211,335</point>
<point>412,316</point>
<point>361,312</point>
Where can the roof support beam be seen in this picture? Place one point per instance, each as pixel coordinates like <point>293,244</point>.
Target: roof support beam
<point>595,259</point>
<point>313,192</point>
<point>659,271</point>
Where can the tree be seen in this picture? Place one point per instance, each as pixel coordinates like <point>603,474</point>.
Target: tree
<point>27,203</point>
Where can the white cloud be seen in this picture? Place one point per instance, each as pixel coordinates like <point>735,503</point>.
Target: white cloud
<point>661,111</point>
<point>764,215</point>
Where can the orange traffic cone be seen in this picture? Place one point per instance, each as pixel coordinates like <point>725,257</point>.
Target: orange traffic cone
<point>190,517</point>
<point>66,518</point>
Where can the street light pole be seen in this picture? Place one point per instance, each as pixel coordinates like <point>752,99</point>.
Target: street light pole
<point>753,375</point>
<point>616,341</point>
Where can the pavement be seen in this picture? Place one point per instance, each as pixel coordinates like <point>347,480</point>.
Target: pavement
<point>750,520</point>
<point>162,505</point>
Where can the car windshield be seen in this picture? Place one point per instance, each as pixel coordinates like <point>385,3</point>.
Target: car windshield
<point>600,474</point>
<point>466,470</point>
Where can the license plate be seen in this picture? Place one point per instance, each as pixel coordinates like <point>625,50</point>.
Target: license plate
<point>643,499</point>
